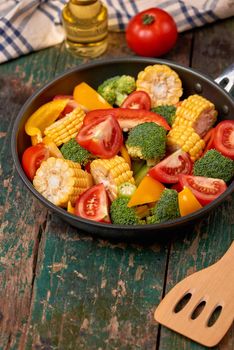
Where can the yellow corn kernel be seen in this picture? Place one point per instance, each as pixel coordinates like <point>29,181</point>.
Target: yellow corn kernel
<point>184,137</point>
<point>61,180</point>
<point>112,173</point>
<point>196,112</point>
<point>66,128</point>
<point>161,83</point>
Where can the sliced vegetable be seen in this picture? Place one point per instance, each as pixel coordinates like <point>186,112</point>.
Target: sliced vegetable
<point>93,204</point>
<point>89,98</point>
<point>112,173</point>
<point>184,137</point>
<point>205,189</point>
<point>188,203</point>
<point>43,117</point>
<point>126,189</point>
<point>149,190</point>
<point>209,140</point>
<point>33,157</point>
<point>196,112</point>
<point>224,138</point>
<point>168,169</point>
<point>70,208</point>
<point>161,83</point>
<point>127,117</point>
<point>53,149</point>
<point>141,173</point>
<point>66,128</point>
<point>137,100</point>
<point>125,155</point>
<point>101,137</point>
<point>71,105</point>
<point>142,211</point>
<point>61,180</point>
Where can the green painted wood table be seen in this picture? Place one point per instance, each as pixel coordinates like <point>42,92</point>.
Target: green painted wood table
<point>61,288</point>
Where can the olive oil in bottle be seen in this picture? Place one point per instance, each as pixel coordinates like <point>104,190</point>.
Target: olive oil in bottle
<point>86,27</point>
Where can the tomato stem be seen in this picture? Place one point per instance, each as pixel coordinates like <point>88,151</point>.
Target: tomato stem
<point>148,19</point>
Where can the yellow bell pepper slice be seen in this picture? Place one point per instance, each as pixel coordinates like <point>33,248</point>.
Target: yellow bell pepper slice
<point>70,208</point>
<point>188,203</point>
<point>149,190</point>
<point>125,155</point>
<point>43,117</point>
<point>89,98</point>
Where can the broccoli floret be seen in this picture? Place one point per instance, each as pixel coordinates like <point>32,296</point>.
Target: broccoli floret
<point>73,151</point>
<point>147,141</point>
<point>167,208</point>
<point>167,111</point>
<point>121,214</point>
<point>114,90</point>
<point>213,164</point>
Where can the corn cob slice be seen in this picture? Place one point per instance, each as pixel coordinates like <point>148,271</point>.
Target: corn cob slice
<point>161,83</point>
<point>197,112</point>
<point>61,180</point>
<point>66,128</point>
<point>112,173</point>
<point>187,139</point>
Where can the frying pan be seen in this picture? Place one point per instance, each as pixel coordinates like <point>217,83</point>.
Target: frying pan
<point>94,73</point>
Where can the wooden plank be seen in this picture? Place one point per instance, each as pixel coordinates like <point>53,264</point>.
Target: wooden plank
<point>22,217</point>
<point>94,294</point>
<point>212,236</point>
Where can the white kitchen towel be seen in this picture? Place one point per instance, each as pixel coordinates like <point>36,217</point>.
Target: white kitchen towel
<point>31,25</point>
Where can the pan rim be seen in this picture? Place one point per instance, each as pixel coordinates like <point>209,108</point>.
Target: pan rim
<point>109,227</point>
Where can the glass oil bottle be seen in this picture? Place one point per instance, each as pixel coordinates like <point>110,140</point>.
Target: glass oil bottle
<point>86,27</point>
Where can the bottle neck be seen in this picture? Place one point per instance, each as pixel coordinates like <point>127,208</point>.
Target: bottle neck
<point>82,2</point>
<point>85,9</point>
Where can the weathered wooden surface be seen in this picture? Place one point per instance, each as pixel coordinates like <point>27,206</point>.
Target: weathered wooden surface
<point>62,289</point>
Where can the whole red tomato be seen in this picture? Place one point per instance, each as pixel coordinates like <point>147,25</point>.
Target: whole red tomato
<point>151,33</point>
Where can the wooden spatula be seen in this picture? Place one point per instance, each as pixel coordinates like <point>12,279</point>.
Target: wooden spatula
<point>201,306</point>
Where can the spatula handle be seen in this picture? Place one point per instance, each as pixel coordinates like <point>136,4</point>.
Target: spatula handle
<point>228,260</point>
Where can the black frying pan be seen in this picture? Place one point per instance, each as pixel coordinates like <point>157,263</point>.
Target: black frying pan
<point>94,73</point>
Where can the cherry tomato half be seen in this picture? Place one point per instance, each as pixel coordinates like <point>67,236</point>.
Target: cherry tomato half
<point>137,100</point>
<point>93,204</point>
<point>102,137</point>
<point>168,170</point>
<point>33,157</point>
<point>224,138</point>
<point>151,33</point>
<point>204,189</point>
<point>71,105</point>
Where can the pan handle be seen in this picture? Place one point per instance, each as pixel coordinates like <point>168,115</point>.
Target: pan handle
<point>226,80</point>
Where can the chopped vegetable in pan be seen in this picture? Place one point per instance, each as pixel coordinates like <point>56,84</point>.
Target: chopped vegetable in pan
<point>131,152</point>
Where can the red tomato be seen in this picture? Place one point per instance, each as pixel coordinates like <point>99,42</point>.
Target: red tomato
<point>168,169</point>
<point>33,157</point>
<point>102,137</point>
<point>71,105</point>
<point>137,100</point>
<point>204,189</point>
<point>151,33</point>
<point>127,117</point>
<point>93,204</point>
<point>224,138</point>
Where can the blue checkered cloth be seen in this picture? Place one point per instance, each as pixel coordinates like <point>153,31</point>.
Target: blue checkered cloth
<point>31,25</point>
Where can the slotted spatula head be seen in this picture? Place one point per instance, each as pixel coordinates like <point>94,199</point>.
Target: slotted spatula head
<point>201,306</point>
